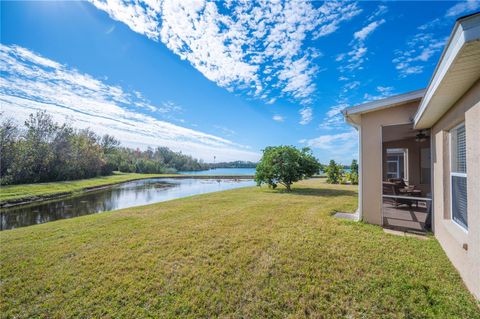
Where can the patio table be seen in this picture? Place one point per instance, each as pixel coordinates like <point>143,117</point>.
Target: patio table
<point>411,192</point>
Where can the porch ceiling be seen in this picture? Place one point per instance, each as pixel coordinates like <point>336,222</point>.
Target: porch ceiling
<point>398,132</point>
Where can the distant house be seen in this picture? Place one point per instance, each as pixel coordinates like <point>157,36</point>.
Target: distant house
<point>420,155</point>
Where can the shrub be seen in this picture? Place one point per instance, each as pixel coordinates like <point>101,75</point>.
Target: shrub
<point>334,172</point>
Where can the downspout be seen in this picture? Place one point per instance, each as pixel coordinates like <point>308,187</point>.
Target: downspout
<point>360,168</point>
<point>432,184</point>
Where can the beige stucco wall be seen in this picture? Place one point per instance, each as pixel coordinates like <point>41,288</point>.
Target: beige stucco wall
<point>451,236</point>
<point>371,155</point>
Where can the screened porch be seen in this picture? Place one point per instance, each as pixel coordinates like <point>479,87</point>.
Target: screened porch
<point>406,179</point>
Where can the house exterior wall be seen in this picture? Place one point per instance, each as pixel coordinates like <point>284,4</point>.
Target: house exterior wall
<point>450,235</point>
<point>371,155</point>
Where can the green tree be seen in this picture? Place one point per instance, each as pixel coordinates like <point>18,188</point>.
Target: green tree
<point>8,137</point>
<point>334,172</point>
<point>285,165</point>
<point>354,172</point>
<point>44,151</point>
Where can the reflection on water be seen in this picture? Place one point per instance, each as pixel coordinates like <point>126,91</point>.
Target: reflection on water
<point>125,195</point>
<point>223,171</point>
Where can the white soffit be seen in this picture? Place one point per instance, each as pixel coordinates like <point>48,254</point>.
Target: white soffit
<point>457,70</point>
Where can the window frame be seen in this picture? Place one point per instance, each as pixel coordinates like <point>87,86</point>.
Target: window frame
<point>456,174</point>
<point>398,152</point>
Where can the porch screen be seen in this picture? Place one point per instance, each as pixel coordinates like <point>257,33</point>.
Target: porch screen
<point>458,175</point>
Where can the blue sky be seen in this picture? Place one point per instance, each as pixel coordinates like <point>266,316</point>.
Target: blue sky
<point>220,79</point>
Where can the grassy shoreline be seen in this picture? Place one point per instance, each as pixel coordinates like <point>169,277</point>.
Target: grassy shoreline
<point>250,252</point>
<point>28,193</point>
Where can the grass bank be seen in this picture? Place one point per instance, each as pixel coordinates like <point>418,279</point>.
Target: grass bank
<point>249,252</point>
<point>39,191</point>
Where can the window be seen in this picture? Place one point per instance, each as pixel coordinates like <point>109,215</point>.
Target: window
<point>397,163</point>
<point>458,175</point>
<point>425,167</point>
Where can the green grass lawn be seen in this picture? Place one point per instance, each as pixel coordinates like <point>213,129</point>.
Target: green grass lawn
<point>39,190</point>
<point>248,253</point>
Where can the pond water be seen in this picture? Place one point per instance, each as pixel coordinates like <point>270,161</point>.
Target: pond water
<point>135,193</point>
<point>223,171</point>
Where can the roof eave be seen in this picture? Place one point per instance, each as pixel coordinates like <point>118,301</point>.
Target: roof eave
<point>462,33</point>
<point>384,103</point>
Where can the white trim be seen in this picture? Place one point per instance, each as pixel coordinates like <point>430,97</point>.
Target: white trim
<point>360,174</point>
<point>405,160</point>
<point>465,230</point>
<point>432,183</point>
<point>384,103</point>
<point>396,124</point>
<point>360,168</point>
<point>465,30</point>
<point>381,175</point>
<point>462,227</point>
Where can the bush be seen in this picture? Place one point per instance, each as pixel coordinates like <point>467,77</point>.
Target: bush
<point>353,178</point>
<point>334,172</point>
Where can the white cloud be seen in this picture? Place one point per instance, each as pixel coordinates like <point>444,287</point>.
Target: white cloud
<point>225,130</point>
<point>340,57</point>
<point>30,83</point>
<point>306,115</point>
<point>351,62</point>
<point>462,7</point>
<point>362,34</point>
<point>328,142</point>
<point>278,118</point>
<point>459,9</point>
<point>335,110</point>
<point>351,85</point>
<point>420,49</point>
<point>381,93</point>
<point>110,30</point>
<point>341,147</point>
<point>257,47</point>
<point>334,118</point>
<point>431,24</point>
<point>335,13</point>
<point>271,101</point>
<point>354,59</point>
<point>424,45</point>
<point>381,10</point>
<point>169,106</point>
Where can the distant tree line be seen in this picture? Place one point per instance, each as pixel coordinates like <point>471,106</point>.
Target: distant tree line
<point>44,151</point>
<point>235,164</point>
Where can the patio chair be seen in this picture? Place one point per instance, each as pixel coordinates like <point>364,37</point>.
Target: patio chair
<point>398,181</point>
<point>390,188</point>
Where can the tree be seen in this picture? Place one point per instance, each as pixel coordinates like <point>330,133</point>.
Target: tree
<point>285,165</point>
<point>8,137</point>
<point>334,172</point>
<point>44,151</point>
<point>354,172</point>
